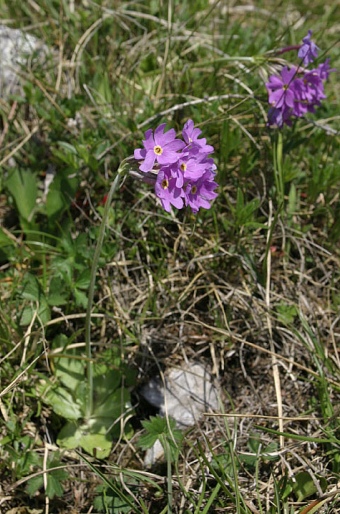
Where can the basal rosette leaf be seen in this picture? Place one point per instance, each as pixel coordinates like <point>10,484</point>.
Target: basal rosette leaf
<point>95,435</point>
<point>62,401</point>
<point>70,371</point>
<point>22,184</point>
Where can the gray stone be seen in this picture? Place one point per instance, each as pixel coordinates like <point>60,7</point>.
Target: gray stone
<point>17,50</point>
<point>187,393</point>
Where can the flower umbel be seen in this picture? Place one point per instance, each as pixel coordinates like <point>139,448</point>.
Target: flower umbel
<point>185,172</point>
<point>296,91</point>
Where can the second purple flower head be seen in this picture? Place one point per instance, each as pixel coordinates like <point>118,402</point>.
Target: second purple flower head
<point>296,90</point>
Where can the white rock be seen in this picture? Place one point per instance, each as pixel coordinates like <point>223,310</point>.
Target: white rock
<point>17,48</point>
<point>153,454</point>
<point>185,396</point>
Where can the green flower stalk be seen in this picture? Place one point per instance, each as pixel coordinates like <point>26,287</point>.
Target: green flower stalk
<point>121,173</point>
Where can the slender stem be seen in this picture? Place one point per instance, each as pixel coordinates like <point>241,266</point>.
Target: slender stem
<point>89,371</point>
<point>167,452</point>
<point>278,167</point>
<point>287,49</point>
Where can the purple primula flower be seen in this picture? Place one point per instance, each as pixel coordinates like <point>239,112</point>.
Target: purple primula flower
<point>282,88</point>
<point>177,174</point>
<point>324,69</point>
<point>308,51</point>
<point>192,166</point>
<point>314,86</point>
<point>201,192</point>
<point>279,117</point>
<point>190,133</point>
<point>190,136</point>
<point>159,147</point>
<point>308,93</point>
<point>167,191</point>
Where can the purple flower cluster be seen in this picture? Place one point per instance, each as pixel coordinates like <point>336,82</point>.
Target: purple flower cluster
<point>185,172</point>
<point>296,90</point>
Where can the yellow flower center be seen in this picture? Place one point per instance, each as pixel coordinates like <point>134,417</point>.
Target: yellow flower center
<point>165,183</point>
<point>158,150</point>
<point>183,166</point>
<point>194,190</point>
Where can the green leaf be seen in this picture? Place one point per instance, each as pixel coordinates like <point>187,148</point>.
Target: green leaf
<point>239,200</point>
<point>83,281</point>
<point>54,487</point>
<point>92,436</point>
<point>286,313</point>
<point>44,314</point>
<point>23,461</point>
<point>224,463</point>
<point>32,291</point>
<point>61,193</point>
<point>63,403</point>
<point>164,430</point>
<point>109,501</point>
<point>254,442</point>
<point>249,459</point>
<point>57,295</point>
<point>95,435</point>
<point>112,406</point>
<point>68,147</point>
<point>147,440</point>
<point>34,484</point>
<point>80,298</point>
<point>292,200</point>
<point>31,288</point>
<point>56,299</point>
<point>270,452</point>
<point>5,240</point>
<point>100,148</point>
<point>105,383</point>
<point>54,477</point>
<point>22,185</point>
<point>259,451</point>
<point>7,247</point>
<point>303,485</point>
<point>70,371</point>
<point>157,425</point>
